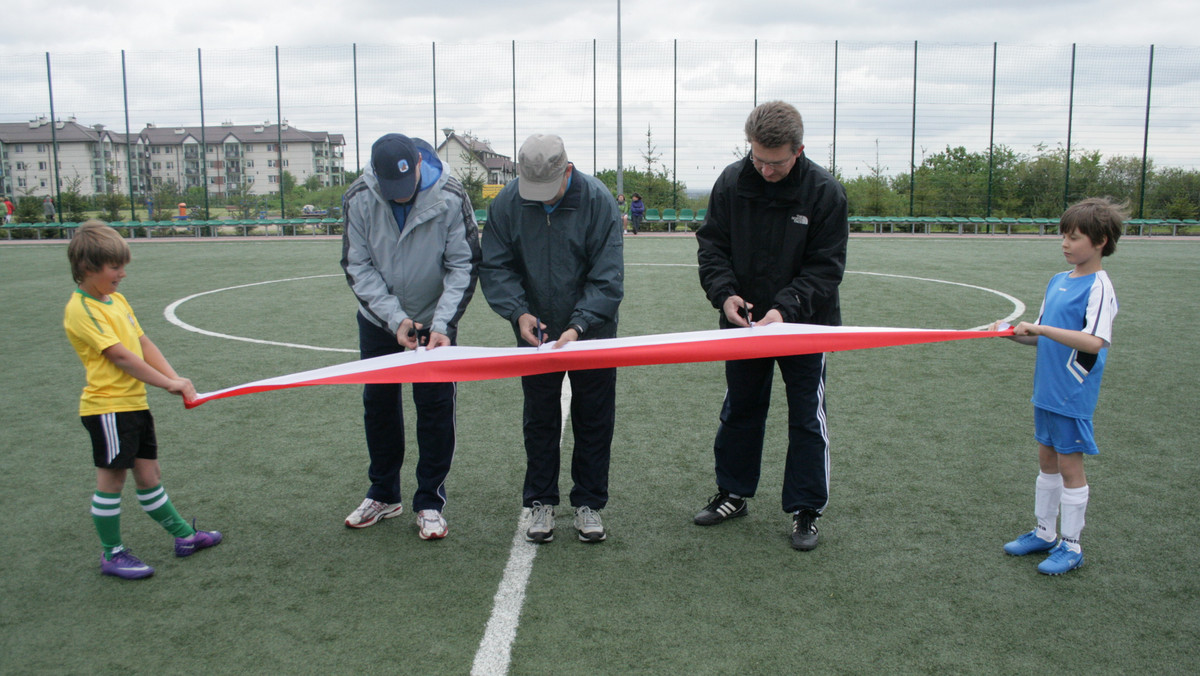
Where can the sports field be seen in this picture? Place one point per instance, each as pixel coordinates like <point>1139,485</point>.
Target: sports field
<point>933,466</point>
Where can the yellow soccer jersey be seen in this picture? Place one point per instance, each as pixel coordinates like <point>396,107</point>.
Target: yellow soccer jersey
<point>94,326</point>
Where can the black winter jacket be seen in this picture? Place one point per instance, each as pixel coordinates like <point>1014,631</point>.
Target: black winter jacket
<point>779,245</point>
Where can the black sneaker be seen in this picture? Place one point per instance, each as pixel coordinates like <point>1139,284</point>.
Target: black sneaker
<point>804,530</point>
<point>720,508</point>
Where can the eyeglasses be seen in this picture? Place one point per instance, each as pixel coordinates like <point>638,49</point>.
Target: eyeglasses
<point>774,165</point>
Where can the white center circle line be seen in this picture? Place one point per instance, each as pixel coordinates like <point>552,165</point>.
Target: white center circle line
<point>171,316</point>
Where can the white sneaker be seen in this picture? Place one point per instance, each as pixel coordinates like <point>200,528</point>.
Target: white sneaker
<point>541,528</point>
<point>371,511</point>
<point>589,525</point>
<point>432,525</point>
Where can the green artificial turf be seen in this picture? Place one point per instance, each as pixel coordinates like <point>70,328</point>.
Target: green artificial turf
<point>933,466</point>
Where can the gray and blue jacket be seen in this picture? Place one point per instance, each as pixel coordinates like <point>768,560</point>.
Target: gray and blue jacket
<point>424,269</point>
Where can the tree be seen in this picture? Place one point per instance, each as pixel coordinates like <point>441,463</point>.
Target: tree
<point>314,183</point>
<point>648,155</point>
<point>73,205</point>
<point>872,195</point>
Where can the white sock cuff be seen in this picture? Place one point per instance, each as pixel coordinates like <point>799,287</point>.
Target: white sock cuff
<point>1075,496</point>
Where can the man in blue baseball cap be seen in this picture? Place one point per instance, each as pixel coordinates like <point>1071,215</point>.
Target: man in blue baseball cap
<point>410,250</point>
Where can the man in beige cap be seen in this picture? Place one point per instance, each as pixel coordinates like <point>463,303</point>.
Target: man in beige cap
<point>553,266</point>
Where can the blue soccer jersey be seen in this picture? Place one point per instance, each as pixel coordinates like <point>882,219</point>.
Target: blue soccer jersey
<point>1067,381</point>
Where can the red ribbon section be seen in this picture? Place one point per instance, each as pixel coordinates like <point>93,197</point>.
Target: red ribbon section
<point>461,364</point>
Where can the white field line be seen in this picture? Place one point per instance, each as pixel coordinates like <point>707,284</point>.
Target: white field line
<point>169,312</point>
<point>495,650</point>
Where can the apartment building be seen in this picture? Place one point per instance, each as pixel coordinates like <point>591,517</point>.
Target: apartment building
<point>93,160</point>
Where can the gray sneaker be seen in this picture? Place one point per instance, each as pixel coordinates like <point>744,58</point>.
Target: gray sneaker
<point>541,528</point>
<point>589,525</point>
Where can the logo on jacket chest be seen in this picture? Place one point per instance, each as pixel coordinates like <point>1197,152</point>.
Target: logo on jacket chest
<point>800,219</point>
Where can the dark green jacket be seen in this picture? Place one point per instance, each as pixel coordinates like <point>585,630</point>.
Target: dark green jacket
<point>566,267</point>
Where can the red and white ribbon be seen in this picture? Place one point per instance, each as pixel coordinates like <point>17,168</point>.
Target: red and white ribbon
<point>460,364</point>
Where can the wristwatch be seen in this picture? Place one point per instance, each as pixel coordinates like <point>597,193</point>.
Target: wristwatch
<point>578,328</point>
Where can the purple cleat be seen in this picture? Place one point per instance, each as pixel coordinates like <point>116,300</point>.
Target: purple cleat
<point>201,539</point>
<point>124,565</point>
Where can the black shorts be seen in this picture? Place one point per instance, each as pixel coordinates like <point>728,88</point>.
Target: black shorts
<point>120,438</point>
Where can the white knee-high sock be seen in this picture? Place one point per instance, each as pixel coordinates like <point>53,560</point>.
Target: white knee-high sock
<point>1074,506</point>
<point>1045,507</point>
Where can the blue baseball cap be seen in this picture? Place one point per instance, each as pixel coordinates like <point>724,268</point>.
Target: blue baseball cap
<point>394,157</point>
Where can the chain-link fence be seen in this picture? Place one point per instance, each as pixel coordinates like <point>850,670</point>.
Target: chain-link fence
<point>892,113</point>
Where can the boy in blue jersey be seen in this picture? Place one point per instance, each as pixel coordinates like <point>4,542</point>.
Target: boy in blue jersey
<point>1072,333</point>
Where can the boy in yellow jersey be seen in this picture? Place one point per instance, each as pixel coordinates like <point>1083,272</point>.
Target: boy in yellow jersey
<point>120,362</point>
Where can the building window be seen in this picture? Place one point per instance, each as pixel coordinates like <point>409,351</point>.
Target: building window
<point>41,166</point>
<point>20,166</point>
<point>41,147</point>
<point>168,150</point>
<point>272,179</point>
<point>170,165</point>
<point>154,150</point>
<point>20,182</point>
<point>249,148</point>
<point>19,148</point>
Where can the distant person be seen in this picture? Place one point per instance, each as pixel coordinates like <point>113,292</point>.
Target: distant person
<point>120,361</point>
<point>1072,333</point>
<point>411,254</point>
<point>637,211</point>
<point>8,210</point>
<point>624,209</point>
<point>48,209</point>
<point>773,249</point>
<point>553,266</point>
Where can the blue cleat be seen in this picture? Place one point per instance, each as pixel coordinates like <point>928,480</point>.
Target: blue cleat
<point>1061,560</point>
<point>1028,543</point>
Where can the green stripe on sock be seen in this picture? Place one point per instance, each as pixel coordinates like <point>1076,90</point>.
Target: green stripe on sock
<point>106,515</point>
<point>156,503</point>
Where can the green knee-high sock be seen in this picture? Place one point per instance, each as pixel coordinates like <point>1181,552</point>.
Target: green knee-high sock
<point>106,515</point>
<point>159,507</point>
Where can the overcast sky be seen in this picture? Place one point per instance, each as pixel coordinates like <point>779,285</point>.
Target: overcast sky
<point>716,62</point>
<point>76,25</point>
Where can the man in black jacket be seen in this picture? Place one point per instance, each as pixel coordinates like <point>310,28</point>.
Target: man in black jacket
<point>773,249</point>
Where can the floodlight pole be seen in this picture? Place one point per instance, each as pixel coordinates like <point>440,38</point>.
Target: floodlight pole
<point>620,142</point>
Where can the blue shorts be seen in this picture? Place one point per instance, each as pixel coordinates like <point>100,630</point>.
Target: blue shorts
<point>1063,434</point>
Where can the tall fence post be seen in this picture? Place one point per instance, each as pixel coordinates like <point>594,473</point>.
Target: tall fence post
<point>514,98</point>
<point>833,148</point>
<point>595,119</point>
<point>435,124</point>
<point>1070,121</point>
<point>279,142</point>
<point>912,152</point>
<point>1146,136</point>
<point>620,112</point>
<point>991,141</point>
<point>56,189</point>
<point>357,140</point>
<point>203,139</point>
<point>755,96</point>
<point>128,140</point>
